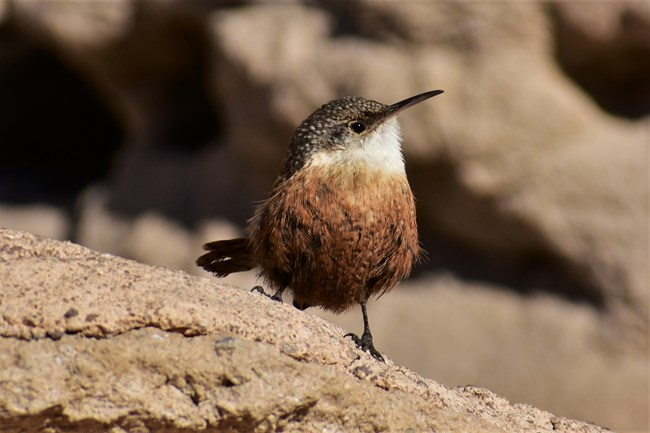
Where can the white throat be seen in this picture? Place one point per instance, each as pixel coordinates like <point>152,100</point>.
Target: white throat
<point>380,150</point>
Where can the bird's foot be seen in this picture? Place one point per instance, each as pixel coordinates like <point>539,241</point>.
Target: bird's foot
<point>365,343</point>
<point>277,296</point>
<point>300,305</point>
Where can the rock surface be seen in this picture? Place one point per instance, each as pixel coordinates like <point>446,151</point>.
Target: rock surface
<point>94,342</point>
<point>555,177</point>
<point>530,172</point>
<point>514,159</point>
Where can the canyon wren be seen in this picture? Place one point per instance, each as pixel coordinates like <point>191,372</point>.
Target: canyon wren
<point>339,224</point>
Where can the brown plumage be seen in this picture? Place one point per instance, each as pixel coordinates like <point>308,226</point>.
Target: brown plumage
<point>339,225</point>
<point>336,239</point>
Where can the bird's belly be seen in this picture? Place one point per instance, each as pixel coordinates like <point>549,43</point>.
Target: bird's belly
<point>335,241</point>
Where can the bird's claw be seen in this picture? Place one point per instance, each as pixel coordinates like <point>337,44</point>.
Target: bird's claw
<point>275,297</point>
<point>365,343</point>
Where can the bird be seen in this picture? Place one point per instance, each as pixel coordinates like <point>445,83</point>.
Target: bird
<point>339,225</point>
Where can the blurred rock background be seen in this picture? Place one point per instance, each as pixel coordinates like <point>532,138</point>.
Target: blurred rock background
<point>146,128</point>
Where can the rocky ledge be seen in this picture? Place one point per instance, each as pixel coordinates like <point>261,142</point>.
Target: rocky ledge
<point>94,342</point>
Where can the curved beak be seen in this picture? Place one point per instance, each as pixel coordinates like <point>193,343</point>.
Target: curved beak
<point>409,102</point>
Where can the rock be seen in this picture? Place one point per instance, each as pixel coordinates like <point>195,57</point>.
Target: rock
<point>429,324</point>
<point>40,219</point>
<point>606,50</point>
<point>514,159</point>
<point>3,10</point>
<point>555,177</point>
<point>460,332</point>
<point>95,342</point>
<point>82,26</point>
<point>104,231</point>
<point>150,238</point>
<point>530,171</point>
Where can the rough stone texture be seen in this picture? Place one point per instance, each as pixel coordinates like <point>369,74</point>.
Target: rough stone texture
<point>94,342</point>
<point>559,356</point>
<point>530,172</point>
<point>457,331</point>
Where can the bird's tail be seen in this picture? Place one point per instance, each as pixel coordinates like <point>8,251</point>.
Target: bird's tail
<point>226,257</point>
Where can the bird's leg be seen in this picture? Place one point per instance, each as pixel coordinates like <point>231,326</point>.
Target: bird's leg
<point>365,342</point>
<point>277,296</point>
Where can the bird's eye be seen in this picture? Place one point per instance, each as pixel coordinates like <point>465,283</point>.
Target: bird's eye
<point>357,127</point>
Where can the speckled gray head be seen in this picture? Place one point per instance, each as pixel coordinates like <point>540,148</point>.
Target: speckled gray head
<point>351,130</point>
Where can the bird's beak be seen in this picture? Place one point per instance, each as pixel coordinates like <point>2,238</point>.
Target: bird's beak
<point>409,102</point>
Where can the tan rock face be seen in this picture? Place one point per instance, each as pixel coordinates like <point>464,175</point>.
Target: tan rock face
<point>605,49</point>
<point>530,172</point>
<point>96,343</point>
<point>514,159</point>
